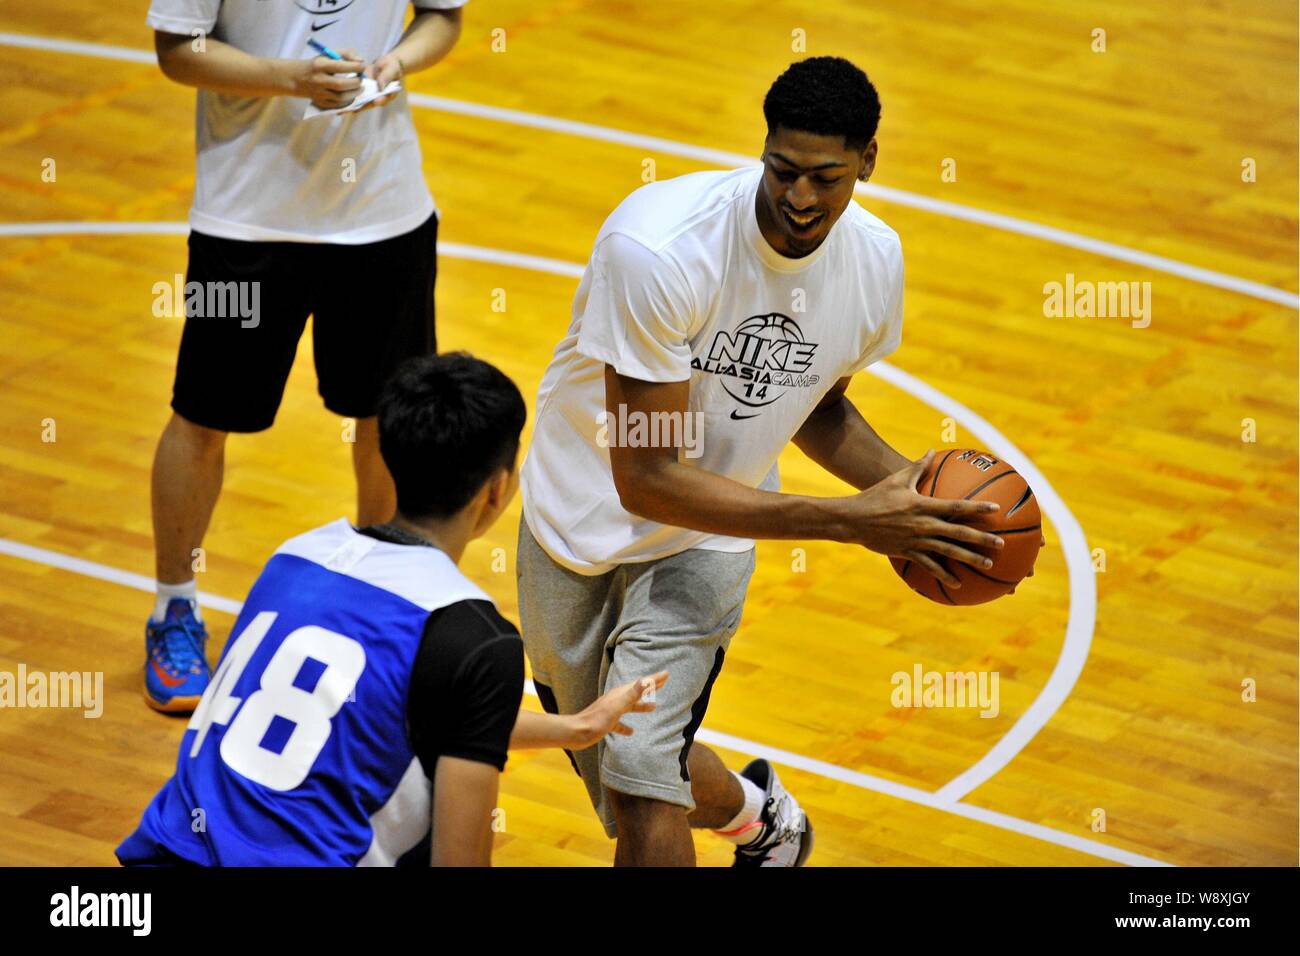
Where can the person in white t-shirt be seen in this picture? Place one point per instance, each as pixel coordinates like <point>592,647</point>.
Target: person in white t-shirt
<point>720,318</point>
<point>327,216</point>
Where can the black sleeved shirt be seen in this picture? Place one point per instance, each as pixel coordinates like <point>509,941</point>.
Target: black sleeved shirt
<point>466,686</point>
<point>467,681</point>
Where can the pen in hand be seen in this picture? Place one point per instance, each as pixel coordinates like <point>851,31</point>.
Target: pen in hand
<point>323,49</point>
<point>335,55</point>
<point>339,88</point>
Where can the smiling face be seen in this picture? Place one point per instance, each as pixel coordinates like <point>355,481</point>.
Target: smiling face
<point>807,184</point>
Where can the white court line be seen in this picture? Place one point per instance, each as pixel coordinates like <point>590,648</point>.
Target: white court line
<point>941,207</point>
<point>104,572</point>
<point>104,51</point>
<point>453,250</point>
<point>1083,590</point>
<point>503,257</point>
<point>94,228</point>
<point>854,778</point>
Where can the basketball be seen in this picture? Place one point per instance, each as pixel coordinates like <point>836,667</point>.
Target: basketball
<point>972,474</point>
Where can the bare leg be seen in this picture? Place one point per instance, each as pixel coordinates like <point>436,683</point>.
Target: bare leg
<point>654,833</point>
<point>651,833</point>
<point>376,496</point>
<point>717,792</point>
<point>187,471</point>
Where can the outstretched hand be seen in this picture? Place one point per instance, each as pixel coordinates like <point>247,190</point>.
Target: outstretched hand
<point>605,714</point>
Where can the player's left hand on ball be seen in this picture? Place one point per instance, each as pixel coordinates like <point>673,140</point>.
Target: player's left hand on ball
<point>383,71</point>
<point>604,716</point>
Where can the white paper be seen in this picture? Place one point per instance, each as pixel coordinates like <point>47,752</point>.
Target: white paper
<point>368,93</point>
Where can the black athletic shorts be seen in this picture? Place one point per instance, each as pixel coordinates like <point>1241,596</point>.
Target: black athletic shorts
<point>371,308</point>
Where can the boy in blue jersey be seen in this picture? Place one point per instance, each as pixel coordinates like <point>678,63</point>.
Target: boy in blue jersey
<point>362,709</point>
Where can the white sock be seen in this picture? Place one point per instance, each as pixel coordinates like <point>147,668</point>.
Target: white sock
<point>745,826</point>
<point>166,592</point>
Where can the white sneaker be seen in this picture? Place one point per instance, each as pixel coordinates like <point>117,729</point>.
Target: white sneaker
<point>787,835</point>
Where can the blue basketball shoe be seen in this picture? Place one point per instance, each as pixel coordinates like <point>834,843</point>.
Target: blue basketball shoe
<point>176,669</point>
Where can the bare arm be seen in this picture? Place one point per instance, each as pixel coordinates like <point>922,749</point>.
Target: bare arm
<point>223,68</point>
<point>838,438</point>
<point>890,517</point>
<point>429,37</point>
<point>582,730</point>
<point>653,483</point>
<point>464,796</point>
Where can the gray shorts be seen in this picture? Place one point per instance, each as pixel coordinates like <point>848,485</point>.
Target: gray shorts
<point>587,634</point>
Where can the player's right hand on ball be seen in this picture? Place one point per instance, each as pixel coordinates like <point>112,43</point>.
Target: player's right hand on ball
<point>892,518</point>
<point>330,84</point>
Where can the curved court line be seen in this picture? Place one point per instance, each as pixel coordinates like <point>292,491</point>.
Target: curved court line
<point>941,207</point>
<point>1082,584</point>
<point>1002,821</point>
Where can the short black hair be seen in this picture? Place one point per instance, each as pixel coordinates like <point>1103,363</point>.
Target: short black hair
<point>446,424</point>
<point>826,95</point>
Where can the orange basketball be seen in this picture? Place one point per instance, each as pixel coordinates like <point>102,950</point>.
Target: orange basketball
<point>977,475</point>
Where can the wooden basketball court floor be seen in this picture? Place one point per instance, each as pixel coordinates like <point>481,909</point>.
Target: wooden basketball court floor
<point>1121,689</point>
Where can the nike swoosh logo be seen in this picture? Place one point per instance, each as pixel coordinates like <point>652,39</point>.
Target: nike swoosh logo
<point>162,676</point>
<point>322,26</point>
<point>737,418</point>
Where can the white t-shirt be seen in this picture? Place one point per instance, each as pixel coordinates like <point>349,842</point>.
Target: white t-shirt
<point>682,286</point>
<point>265,173</point>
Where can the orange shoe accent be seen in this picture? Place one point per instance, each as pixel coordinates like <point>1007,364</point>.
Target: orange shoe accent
<point>740,829</point>
<point>177,705</point>
<point>162,676</point>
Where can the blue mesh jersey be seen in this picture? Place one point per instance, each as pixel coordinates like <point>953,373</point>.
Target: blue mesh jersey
<point>302,751</point>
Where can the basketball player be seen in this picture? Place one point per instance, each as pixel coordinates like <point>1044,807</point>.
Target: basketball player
<point>742,302</point>
<point>369,687</point>
<point>328,216</point>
